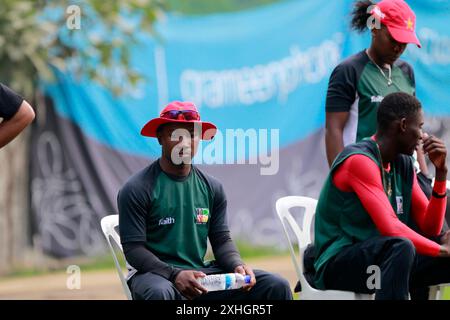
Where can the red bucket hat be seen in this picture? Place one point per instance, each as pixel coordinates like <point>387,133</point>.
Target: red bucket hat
<point>400,20</point>
<point>179,112</point>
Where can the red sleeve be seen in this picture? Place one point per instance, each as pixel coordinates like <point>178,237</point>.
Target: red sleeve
<point>361,175</point>
<point>429,215</point>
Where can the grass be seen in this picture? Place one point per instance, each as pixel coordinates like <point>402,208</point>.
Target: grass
<point>106,262</point>
<point>446,295</point>
<point>249,251</point>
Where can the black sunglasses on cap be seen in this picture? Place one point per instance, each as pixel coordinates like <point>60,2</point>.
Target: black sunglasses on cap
<point>188,115</point>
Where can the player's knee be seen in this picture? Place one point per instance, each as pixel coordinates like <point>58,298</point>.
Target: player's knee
<point>404,247</point>
<point>281,289</point>
<point>160,291</point>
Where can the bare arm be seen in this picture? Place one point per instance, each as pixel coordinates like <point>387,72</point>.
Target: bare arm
<point>334,133</point>
<point>9,129</point>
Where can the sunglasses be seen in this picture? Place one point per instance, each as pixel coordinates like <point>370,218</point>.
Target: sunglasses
<point>188,115</point>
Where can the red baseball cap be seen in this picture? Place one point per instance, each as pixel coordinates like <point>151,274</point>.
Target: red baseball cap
<point>400,20</point>
<point>179,112</point>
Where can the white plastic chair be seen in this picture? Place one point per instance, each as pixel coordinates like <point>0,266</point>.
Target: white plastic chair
<point>283,205</point>
<point>303,235</point>
<point>108,224</point>
<point>437,291</point>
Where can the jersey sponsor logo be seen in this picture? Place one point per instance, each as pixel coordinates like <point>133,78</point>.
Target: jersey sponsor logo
<point>399,200</point>
<point>376,98</point>
<point>166,221</point>
<point>201,215</point>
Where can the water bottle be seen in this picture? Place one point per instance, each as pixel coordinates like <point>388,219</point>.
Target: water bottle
<point>226,281</point>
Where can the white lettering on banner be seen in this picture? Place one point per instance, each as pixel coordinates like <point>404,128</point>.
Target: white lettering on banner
<point>260,83</point>
<point>435,48</point>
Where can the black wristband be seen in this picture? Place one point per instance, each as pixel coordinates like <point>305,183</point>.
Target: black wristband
<point>439,196</point>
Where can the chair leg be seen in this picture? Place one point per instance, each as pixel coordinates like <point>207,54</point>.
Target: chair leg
<point>434,293</point>
<point>440,293</point>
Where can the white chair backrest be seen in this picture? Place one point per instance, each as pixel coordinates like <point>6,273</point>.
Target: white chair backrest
<point>108,224</point>
<point>303,235</point>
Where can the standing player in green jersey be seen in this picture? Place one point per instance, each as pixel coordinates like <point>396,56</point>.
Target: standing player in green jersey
<point>169,210</point>
<point>359,83</point>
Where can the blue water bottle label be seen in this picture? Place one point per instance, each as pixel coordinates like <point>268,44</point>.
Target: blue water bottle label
<point>228,281</point>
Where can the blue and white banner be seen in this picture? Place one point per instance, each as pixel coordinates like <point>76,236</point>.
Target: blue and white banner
<point>263,71</point>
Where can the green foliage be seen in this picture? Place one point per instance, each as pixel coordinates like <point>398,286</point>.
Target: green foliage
<point>213,6</point>
<point>446,295</point>
<point>37,35</point>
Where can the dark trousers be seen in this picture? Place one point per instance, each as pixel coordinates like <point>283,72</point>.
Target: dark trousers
<point>269,286</point>
<point>402,270</point>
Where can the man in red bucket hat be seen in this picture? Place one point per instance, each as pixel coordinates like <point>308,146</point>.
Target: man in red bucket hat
<point>169,210</point>
<point>179,112</point>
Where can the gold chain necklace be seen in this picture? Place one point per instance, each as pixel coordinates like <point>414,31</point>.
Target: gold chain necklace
<point>387,185</point>
<point>388,188</point>
<point>388,78</point>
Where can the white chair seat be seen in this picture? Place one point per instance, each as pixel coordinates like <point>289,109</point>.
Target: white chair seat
<point>303,237</point>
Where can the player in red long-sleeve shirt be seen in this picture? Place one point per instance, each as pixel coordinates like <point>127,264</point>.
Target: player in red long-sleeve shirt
<point>372,212</point>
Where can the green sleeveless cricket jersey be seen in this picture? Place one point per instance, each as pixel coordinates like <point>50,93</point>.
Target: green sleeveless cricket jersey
<point>357,86</point>
<point>341,219</point>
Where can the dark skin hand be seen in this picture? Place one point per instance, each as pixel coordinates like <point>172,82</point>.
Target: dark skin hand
<point>446,238</point>
<point>437,153</point>
<point>186,282</point>
<point>246,270</point>
<point>445,245</point>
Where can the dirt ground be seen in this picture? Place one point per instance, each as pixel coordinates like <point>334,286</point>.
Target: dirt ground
<point>104,285</point>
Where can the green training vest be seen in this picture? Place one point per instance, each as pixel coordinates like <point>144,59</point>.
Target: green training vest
<point>341,219</point>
